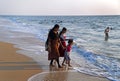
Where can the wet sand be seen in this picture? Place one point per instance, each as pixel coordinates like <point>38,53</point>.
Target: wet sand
<point>64,76</point>
<point>18,67</point>
<point>14,66</point>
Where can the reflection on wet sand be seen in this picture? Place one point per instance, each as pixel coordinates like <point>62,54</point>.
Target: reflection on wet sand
<point>61,74</point>
<point>56,74</point>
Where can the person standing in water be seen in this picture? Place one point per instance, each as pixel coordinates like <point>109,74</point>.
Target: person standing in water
<point>67,52</point>
<point>53,42</point>
<point>63,45</point>
<point>106,33</point>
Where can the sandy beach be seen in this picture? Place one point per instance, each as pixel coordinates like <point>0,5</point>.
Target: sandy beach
<point>18,67</point>
<point>14,66</point>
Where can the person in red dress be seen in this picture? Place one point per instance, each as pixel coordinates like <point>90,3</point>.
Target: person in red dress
<point>62,46</point>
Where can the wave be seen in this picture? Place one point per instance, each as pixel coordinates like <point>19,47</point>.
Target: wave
<point>98,65</point>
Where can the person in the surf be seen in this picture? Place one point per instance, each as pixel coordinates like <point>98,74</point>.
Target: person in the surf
<point>106,33</point>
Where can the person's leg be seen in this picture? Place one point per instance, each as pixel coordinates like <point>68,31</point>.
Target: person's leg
<point>58,63</point>
<point>69,64</point>
<point>107,35</point>
<point>63,62</point>
<point>51,62</point>
<point>69,61</point>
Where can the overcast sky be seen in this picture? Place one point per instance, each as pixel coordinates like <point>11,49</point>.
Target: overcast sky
<point>59,7</point>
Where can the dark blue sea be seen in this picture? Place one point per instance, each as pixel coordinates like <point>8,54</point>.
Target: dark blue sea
<point>94,54</point>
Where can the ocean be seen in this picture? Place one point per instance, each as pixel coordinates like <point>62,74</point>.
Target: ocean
<point>92,52</point>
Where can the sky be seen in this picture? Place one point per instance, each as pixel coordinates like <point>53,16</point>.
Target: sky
<point>59,7</point>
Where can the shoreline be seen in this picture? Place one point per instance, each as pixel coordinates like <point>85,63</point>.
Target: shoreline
<point>24,67</point>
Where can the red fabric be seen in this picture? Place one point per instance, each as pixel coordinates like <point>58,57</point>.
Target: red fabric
<point>61,51</point>
<point>64,43</point>
<point>68,48</point>
<point>62,47</point>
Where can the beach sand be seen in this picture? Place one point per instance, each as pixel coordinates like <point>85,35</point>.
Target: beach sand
<point>18,67</point>
<point>14,66</point>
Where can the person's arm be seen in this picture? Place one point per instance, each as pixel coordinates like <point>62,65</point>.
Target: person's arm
<point>67,39</point>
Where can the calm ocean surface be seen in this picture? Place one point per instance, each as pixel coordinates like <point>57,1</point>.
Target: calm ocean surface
<point>94,54</point>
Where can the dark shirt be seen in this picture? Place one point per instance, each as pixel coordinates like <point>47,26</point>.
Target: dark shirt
<point>53,35</point>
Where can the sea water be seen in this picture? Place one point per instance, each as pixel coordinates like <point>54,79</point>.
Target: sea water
<point>92,52</point>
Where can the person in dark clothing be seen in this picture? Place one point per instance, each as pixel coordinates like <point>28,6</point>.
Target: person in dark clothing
<point>106,33</point>
<point>53,42</point>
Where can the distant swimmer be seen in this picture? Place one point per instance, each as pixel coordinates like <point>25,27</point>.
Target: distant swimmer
<point>106,32</point>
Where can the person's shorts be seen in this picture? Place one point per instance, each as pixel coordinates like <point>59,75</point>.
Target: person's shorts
<point>67,56</point>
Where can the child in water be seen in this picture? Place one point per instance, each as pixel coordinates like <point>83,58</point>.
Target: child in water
<point>67,52</point>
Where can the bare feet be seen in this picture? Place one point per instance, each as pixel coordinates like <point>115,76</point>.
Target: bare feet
<point>52,65</point>
<point>63,64</point>
<point>60,66</point>
<point>69,65</point>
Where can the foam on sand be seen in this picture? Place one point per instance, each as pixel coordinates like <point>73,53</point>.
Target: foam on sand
<point>64,76</point>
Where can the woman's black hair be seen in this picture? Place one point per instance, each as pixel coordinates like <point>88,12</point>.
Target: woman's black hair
<point>70,41</point>
<point>64,29</point>
<point>55,26</point>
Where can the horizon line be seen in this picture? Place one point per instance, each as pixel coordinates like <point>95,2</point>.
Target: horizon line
<point>62,15</point>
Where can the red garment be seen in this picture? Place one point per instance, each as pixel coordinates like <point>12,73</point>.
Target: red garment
<point>68,48</point>
<point>61,49</point>
<point>62,39</point>
<point>63,42</point>
<point>63,46</point>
